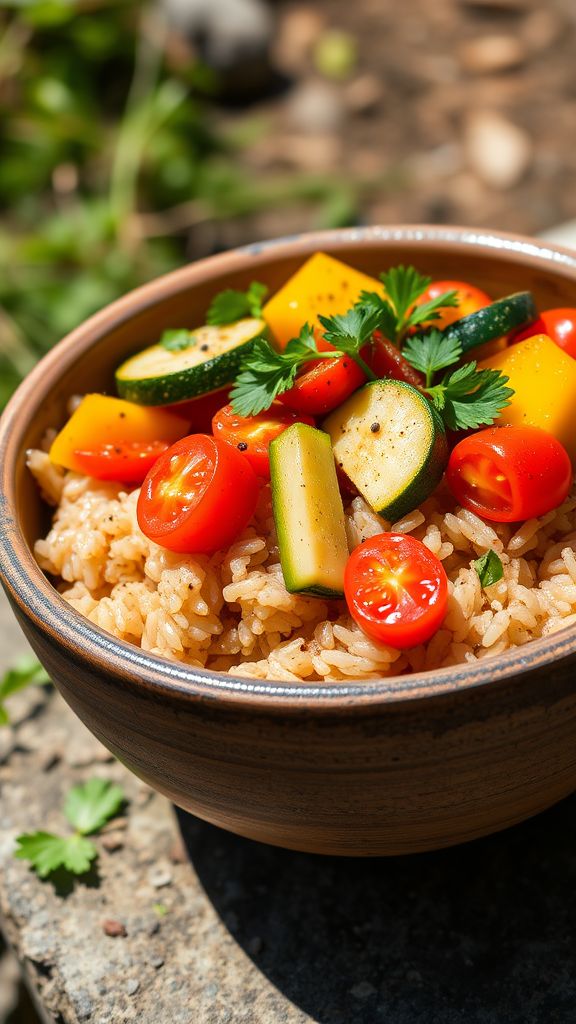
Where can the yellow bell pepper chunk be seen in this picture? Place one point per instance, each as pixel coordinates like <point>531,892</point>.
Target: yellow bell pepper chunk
<point>321,285</point>
<point>101,420</point>
<point>544,382</point>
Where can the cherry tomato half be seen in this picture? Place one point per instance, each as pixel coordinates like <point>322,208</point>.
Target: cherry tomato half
<point>252,434</point>
<point>558,324</point>
<point>127,462</point>
<point>507,474</point>
<point>396,589</point>
<point>198,496</point>
<point>323,386</point>
<point>470,300</point>
<point>387,361</point>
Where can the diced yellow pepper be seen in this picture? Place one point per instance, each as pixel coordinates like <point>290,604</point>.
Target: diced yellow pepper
<point>544,382</point>
<point>322,285</point>
<point>100,419</point>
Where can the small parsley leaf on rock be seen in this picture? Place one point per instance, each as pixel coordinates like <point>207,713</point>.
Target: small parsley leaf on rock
<point>25,672</point>
<point>88,807</point>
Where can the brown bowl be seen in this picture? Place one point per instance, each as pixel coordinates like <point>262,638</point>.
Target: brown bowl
<point>396,766</point>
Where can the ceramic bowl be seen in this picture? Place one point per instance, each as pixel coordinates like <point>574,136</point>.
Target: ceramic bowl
<point>364,768</point>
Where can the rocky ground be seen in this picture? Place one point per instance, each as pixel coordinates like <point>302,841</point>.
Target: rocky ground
<point>457,111</point>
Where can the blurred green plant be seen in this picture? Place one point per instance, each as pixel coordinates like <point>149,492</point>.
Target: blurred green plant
<point>111,154</point>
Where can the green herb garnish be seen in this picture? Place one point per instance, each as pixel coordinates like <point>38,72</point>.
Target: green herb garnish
<point>489,568</point>
<point>88,808</point>
<point>468,398</point>
<point>431,352</point>
<point>398,314</point>
<point>26,672</point>
<point>177,340</point>
<point>231,305</point>
<point>266,373</point>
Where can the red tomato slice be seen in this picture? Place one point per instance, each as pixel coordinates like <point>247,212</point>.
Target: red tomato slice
<point>387,361</point>
<point>127,462</point>
<point>253,434</point>
<point>324,385</point>
<point>396,590</point>
<point>558,324</point>
<point>470,300</point>
<point>507,474</point>
<point>198,496</point>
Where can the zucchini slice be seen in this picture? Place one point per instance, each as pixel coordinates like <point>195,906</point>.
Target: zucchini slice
<point>160,376</point>
<point>308,512</point>
<point>500,317</point>
<point>391,443</point>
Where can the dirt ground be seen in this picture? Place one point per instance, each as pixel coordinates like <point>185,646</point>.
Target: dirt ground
<point>444,111</point>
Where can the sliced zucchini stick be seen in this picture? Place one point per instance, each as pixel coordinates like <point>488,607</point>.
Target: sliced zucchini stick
<point>391,443</point>
<point>500,317</point>
<point>159,376</point>
<point>308,512</point>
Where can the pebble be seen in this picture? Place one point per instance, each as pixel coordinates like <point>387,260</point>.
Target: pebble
<point>113,841</point>
<point>489,54</point>
<point>299,30</point>
<point>132,986</point>
<point>115,929</point>
<point>363,990</point>
<point>156,961</point>
<point>541,29</point>
<point>364,94</point>
<point>315,106</point>
<point>159,877</point>
<point>498,151</point>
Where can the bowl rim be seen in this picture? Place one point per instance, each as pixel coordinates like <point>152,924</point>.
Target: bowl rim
<point>38,601</point>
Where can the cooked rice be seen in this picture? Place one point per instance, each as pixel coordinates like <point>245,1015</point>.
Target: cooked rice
<point>232,610</point>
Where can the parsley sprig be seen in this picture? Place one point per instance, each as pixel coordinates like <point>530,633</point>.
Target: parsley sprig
<point>231,305</point>
<point>465,397</point>
<point>266,373</point>
<point>177,339</point>
<point>398,314</point>
<point>88,807</point>
<point>468,397</point>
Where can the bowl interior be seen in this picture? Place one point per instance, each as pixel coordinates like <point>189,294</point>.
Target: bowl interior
<point>85,361</point>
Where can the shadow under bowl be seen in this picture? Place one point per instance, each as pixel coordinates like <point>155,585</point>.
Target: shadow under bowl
<point>357,768</point>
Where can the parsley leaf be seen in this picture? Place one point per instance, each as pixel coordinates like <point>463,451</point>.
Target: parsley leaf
<point>348,332</point>
<point>431,352</point>
<point>89,807</point>
<point>489,568</point>
<point>25,672</point>
<point>266,373</point>
<point>48,852</point>
<point>469,398</point>
<point>398,314</point>
<point>231,305</point>
<point>403,286</point>
<point>431,310</point>
<point>177,340</point>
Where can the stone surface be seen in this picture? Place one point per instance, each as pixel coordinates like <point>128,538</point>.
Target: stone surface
<point>498,151</point>
<point>240,933</point>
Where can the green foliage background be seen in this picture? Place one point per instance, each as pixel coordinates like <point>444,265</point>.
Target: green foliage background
<point>108,147</point>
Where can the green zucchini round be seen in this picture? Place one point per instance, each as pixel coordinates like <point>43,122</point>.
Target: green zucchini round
<point>391,443</point>
<point>162,376</point>
<point>493,321</point>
